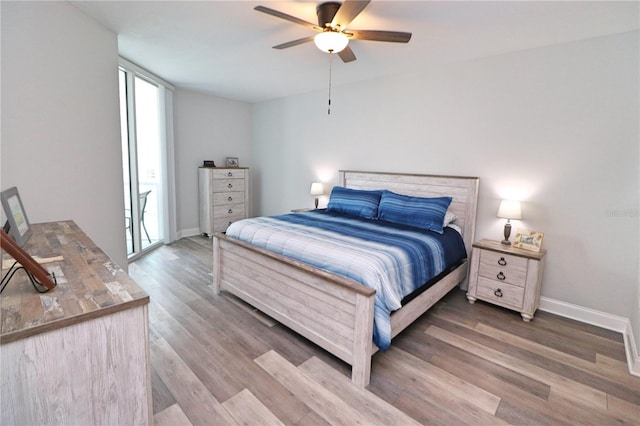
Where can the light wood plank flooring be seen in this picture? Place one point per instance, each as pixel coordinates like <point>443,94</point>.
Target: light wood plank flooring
<point>216,361</point>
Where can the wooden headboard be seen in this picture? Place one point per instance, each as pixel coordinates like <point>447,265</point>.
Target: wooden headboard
<point>463,190</point>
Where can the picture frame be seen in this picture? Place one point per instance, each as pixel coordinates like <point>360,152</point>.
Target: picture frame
<point>528,240</point>
<point>18,224</point>
<point>232,162</point>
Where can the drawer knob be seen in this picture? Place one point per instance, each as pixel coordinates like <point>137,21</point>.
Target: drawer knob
<point>498,293</point>
<point>500,276</point>
<point>231,211</point>
<point>230,199</point>
<point>229,186</point>
<point>230,223</point>
<point>502,262</point>
<point>230,174</point>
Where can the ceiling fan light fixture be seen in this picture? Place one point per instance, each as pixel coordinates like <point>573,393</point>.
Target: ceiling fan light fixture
<point>331,41</point>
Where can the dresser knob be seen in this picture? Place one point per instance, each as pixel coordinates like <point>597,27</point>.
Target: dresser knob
<point>229,186</point>
<point>230,223</point>
<point>498,293</point>
<point>502,262</point>
<point>500,276</point>
<point>230,174</point>
<point>230,199</point>
<point>231,211</point>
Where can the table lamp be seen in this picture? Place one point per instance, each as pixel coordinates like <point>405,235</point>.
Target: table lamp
<point>316,189</point>
<point>509,210</point>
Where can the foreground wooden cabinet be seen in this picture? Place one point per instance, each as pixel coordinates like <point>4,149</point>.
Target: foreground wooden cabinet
<point>506,276</point>
<point>78,354</point>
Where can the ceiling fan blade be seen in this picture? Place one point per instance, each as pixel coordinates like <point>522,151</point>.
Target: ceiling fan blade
<point>286,17</point>
<point>347,55</point>
<point>348,11</point>
<point>375,35</point>
<point>294,42</point>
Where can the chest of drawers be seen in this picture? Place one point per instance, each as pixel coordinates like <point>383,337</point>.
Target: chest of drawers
<point>223,197</point>
<point>506,276</point>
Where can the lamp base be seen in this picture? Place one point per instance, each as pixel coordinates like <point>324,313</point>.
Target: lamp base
<point>316,202</point>
<point>507,233</point>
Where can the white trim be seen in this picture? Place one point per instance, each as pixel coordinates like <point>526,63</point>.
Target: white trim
<point>599,319</point>
<point>192,232</point>
<point>130,66</point>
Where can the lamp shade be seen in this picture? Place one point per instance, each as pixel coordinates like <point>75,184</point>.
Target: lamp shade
<point>331,41</point>
<point>316,189</point>
<point>510,209</point>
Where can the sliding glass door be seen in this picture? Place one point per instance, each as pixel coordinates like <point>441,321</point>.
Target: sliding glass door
<point>140,114</point>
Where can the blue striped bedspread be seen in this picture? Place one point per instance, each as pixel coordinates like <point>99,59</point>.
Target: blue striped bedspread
<point>395,260</point>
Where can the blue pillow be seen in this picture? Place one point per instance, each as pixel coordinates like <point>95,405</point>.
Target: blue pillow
<point>424,213</point>
<point>355,202</point>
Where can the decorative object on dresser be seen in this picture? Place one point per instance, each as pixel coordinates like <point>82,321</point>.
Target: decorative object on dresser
<point>316,189</point>
<point>506,276</point>
<point>208,163</point>
<point>17,225</point>
<point>233,162</point>
<point>223,196</point>
<point>509,210</point>
<point>528,240</point>
<point>39,277</point>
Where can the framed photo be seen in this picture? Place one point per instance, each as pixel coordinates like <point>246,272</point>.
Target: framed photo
<point>232,162</point>
<point>528,240</point>
<point>18,224</point>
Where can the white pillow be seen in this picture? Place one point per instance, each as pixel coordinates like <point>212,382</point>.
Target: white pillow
<point>448,218</point>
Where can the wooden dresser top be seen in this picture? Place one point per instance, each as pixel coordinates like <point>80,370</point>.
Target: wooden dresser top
<point>90,285</point>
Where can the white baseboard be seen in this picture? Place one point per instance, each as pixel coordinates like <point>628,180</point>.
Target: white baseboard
<point>599,319</point>
<point>192,232</point>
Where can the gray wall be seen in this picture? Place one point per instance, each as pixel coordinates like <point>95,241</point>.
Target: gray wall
<point>205,128</point>
<point>556,127</point>
<point>60,119</point>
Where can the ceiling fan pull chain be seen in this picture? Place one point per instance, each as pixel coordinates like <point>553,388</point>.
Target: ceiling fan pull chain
<point>329,105</point>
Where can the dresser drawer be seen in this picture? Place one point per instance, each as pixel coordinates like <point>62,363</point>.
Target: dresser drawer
<point>221,225</point>
<point>226,198</point>
<point>231,210</point>
<point>226,185</point>
<point>227,174</point>
<point>500,293</point>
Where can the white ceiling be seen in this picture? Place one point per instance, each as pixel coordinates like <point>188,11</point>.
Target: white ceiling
<point>224,47</point>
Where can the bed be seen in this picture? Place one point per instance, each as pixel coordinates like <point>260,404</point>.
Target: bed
<point>335,312</point>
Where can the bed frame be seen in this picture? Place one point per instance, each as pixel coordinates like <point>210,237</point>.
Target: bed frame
<point>334,312</point>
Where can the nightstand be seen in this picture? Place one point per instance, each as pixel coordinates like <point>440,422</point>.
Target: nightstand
<point>506,276</point>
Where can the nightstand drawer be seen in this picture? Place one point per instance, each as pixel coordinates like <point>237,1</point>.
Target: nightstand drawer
<point>500,293</point>
<point>503,260</point>
<point>515,276</point>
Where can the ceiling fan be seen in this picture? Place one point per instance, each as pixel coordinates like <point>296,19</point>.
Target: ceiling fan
<point>333,36</point>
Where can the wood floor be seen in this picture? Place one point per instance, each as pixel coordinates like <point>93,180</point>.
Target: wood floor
<point>216,361</point>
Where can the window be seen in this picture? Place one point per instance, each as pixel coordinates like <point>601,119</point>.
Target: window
<point>145,154</point>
